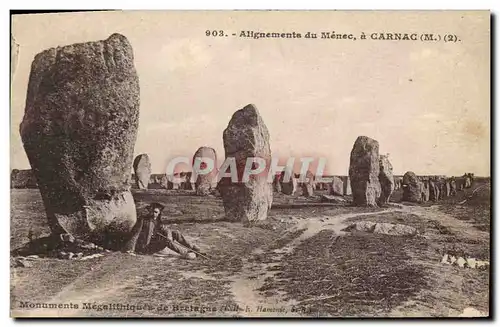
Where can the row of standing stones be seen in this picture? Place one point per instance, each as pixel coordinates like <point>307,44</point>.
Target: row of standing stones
<point>80,127</point>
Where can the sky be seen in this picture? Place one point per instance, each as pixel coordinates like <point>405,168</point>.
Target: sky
<point>426,103</point>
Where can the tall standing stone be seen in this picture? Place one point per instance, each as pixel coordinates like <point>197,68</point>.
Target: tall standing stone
<point>364,170</point>
<point>205,182</point>
<point>412,187</point>
<point>79,130</point>
<point>386,179</point>
<point>142,170</point>
<point>246,136</point>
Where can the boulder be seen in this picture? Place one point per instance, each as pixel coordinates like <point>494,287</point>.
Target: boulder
<point>337,186</point>
<point>246,136</point>
<point>364,170</point>
<point>308,184</point>
<point>386,179</point>
<point>142,171</point>
<point>205,183</point>
<point>412,187</point>
<point>78,131</point>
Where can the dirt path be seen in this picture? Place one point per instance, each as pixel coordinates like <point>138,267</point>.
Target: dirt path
<point>245,287</point>
<point>104,284</point>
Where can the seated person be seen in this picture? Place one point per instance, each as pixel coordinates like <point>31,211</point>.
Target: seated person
<point>150,235</point>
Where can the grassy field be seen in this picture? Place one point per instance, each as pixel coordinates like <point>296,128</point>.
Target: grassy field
<point>299,262</point>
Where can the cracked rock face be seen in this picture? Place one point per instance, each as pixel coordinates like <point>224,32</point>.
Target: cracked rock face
<point>79,130</point>
<point>247,136</point>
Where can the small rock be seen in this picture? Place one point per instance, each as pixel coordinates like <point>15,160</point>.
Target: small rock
<point>452,259</point>
<point>100,248</point>
<point>71,255</point>
<point>79,255</point>
<point>471,263</point>
<point>33,256</point>
<point>460,262</point>
<point>23,264</point>
<point>107,250</point>
<point>445,259</point>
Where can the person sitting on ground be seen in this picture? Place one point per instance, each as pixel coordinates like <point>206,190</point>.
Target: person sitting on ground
<point>150,235</point>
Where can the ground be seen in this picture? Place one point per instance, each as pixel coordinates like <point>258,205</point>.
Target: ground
<point>299,262</point>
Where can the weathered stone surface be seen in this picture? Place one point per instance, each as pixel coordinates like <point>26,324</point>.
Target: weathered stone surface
<point>79,130</point>
<point>412,187</point>
<point>142,171</point>
<point>289,187</point>
<point>308,184</point>
<point>337,186</point>
<point>206,182</point>
<point>247,136</point>
<point>24,178</point>
<point>386,179</point>
<point>364,170</point>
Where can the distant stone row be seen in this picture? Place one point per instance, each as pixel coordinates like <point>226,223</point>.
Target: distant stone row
<point>433,188</point>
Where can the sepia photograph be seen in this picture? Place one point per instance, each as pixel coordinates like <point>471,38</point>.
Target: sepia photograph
<point>250,164</point>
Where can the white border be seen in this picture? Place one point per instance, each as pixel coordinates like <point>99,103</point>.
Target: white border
<point>177,5</point>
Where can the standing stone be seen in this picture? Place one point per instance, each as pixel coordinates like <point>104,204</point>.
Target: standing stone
<point>247,136</point>
<point>433,190</point>
<point>308,184</point>
<point>79,130</point>
<point>453,186</point>
<point>386,179</point>
<point>447,188</point>
<point>204,183</point>
<point>277,183</point>
<point>412,187</point>
<point>142,170</point>
<point>289,187</point>
<point>347,185</point>
<point>425,190</point>
<point>337,186</point>
<point>364,170</point>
